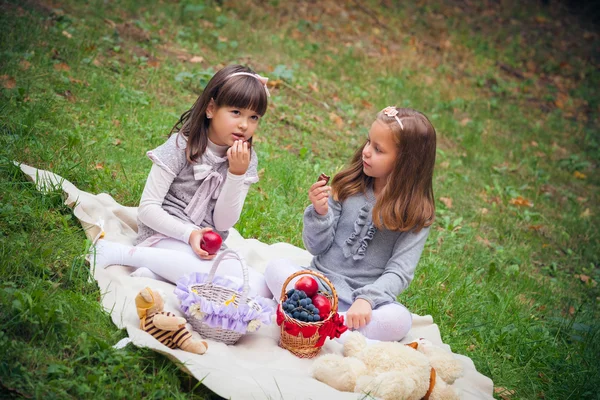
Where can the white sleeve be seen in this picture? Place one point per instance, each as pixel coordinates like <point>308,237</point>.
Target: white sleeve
<point>150,211</point>
<point>230,202</point>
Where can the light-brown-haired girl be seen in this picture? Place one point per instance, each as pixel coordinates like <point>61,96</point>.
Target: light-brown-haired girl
<point>368,235</point>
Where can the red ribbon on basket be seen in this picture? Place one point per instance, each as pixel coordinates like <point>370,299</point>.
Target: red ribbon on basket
<point>334,327</point>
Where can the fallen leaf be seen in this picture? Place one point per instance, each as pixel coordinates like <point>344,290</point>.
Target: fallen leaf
<point>8,82</point>
<point>25,65</point>
<point>67,34</point>
<point>275,83</point>
<point>314,87</point>
<point>79,82</point>
<point>540,19</point>
<point>471,347</point>
<point>505,394</point>
<point>584,278</point>
<point>62,67</point>
<point>339,122</point>
<point>366,104</point>
<point>465,121</point>
<point>110,22</point>
<point>99,166</point>
<point>496,200</point>
<point>484,210</point>
<point>484,241</point>
<point>196,59</point>
<point>534,143</point>
<point>586,214</point>
<point>579,175</point>
<point>446,44</point>
<point>153,63</point>
<point>520,201</point>
<point>535,227</point>
<point>445,164</point>
<point>571,310</point>
<point>116,122</point>
<point>117,142</point>
<point>561,100</point>
<point>525,300</point>
<point>447,201</point>
<point>67,94</point>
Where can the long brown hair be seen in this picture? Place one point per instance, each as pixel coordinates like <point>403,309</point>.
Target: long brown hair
<point>240,91</point>
<point>406,203</point>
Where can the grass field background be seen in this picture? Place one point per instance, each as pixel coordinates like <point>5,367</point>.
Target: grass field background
<point>511,267</point>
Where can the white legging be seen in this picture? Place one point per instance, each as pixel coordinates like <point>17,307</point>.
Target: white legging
<point>171,259</point>
<point>390,322</point>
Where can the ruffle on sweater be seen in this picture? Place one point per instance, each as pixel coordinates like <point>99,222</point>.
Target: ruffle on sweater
<point>364,230</point>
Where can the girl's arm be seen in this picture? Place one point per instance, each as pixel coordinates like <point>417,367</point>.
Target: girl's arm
<point>150,211</point>
<point>319,230</point>
<point>399,270</point>
<point>230,202</point>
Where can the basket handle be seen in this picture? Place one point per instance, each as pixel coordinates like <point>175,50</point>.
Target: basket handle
<point>229,254</point>
<point>334,306</point>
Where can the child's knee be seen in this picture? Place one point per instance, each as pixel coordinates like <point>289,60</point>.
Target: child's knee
<point>404,322</point>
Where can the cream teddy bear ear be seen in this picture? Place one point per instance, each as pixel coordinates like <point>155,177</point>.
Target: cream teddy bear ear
<point>354,344</point>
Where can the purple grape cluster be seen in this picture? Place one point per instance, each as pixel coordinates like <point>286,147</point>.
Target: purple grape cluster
<point>300,307</point>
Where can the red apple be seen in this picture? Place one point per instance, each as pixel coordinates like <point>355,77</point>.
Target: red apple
<point>211,242</point>
<point>308,285</point>
<point>323,304</point>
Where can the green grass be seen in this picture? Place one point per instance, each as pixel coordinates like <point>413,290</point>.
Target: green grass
<point>511,267</point>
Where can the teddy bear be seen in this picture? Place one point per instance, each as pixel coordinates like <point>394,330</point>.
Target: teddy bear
<point>391,370</point>
<point>165,327</point>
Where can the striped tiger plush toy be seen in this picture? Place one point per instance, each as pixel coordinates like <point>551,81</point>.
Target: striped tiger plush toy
<point>166,327</point>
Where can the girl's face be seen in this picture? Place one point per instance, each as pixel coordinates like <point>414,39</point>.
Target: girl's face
<point>228,124</point>
<point>380,152</point>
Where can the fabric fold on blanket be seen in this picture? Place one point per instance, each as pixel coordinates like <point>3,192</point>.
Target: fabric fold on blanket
<point>256,367</point>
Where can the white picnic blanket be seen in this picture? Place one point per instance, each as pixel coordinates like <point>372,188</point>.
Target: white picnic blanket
<point>255,367</point>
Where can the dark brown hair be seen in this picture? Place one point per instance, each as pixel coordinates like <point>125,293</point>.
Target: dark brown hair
<point>240,91</point>
<point>406,203</point>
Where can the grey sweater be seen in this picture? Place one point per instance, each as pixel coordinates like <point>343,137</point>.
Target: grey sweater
<point>361,261</point>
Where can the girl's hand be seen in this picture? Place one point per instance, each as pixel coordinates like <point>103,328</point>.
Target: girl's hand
<point>318,194</point>
<point>239,157</point>
<point>359,314</point>
<point>194,242</point>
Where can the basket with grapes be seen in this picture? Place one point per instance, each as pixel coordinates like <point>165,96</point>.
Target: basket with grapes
<point>307,316</point>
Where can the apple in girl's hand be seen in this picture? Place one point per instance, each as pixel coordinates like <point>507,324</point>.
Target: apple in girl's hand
<point>211,242</point>
<point>323,304</point>
<point>308,285</point>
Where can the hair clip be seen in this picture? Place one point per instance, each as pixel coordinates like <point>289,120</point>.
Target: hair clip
<point>392,111</point>
<point>261,79</point>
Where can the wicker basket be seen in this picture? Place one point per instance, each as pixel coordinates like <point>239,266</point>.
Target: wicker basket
<point>305,347</point>
<point>221,295</point>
